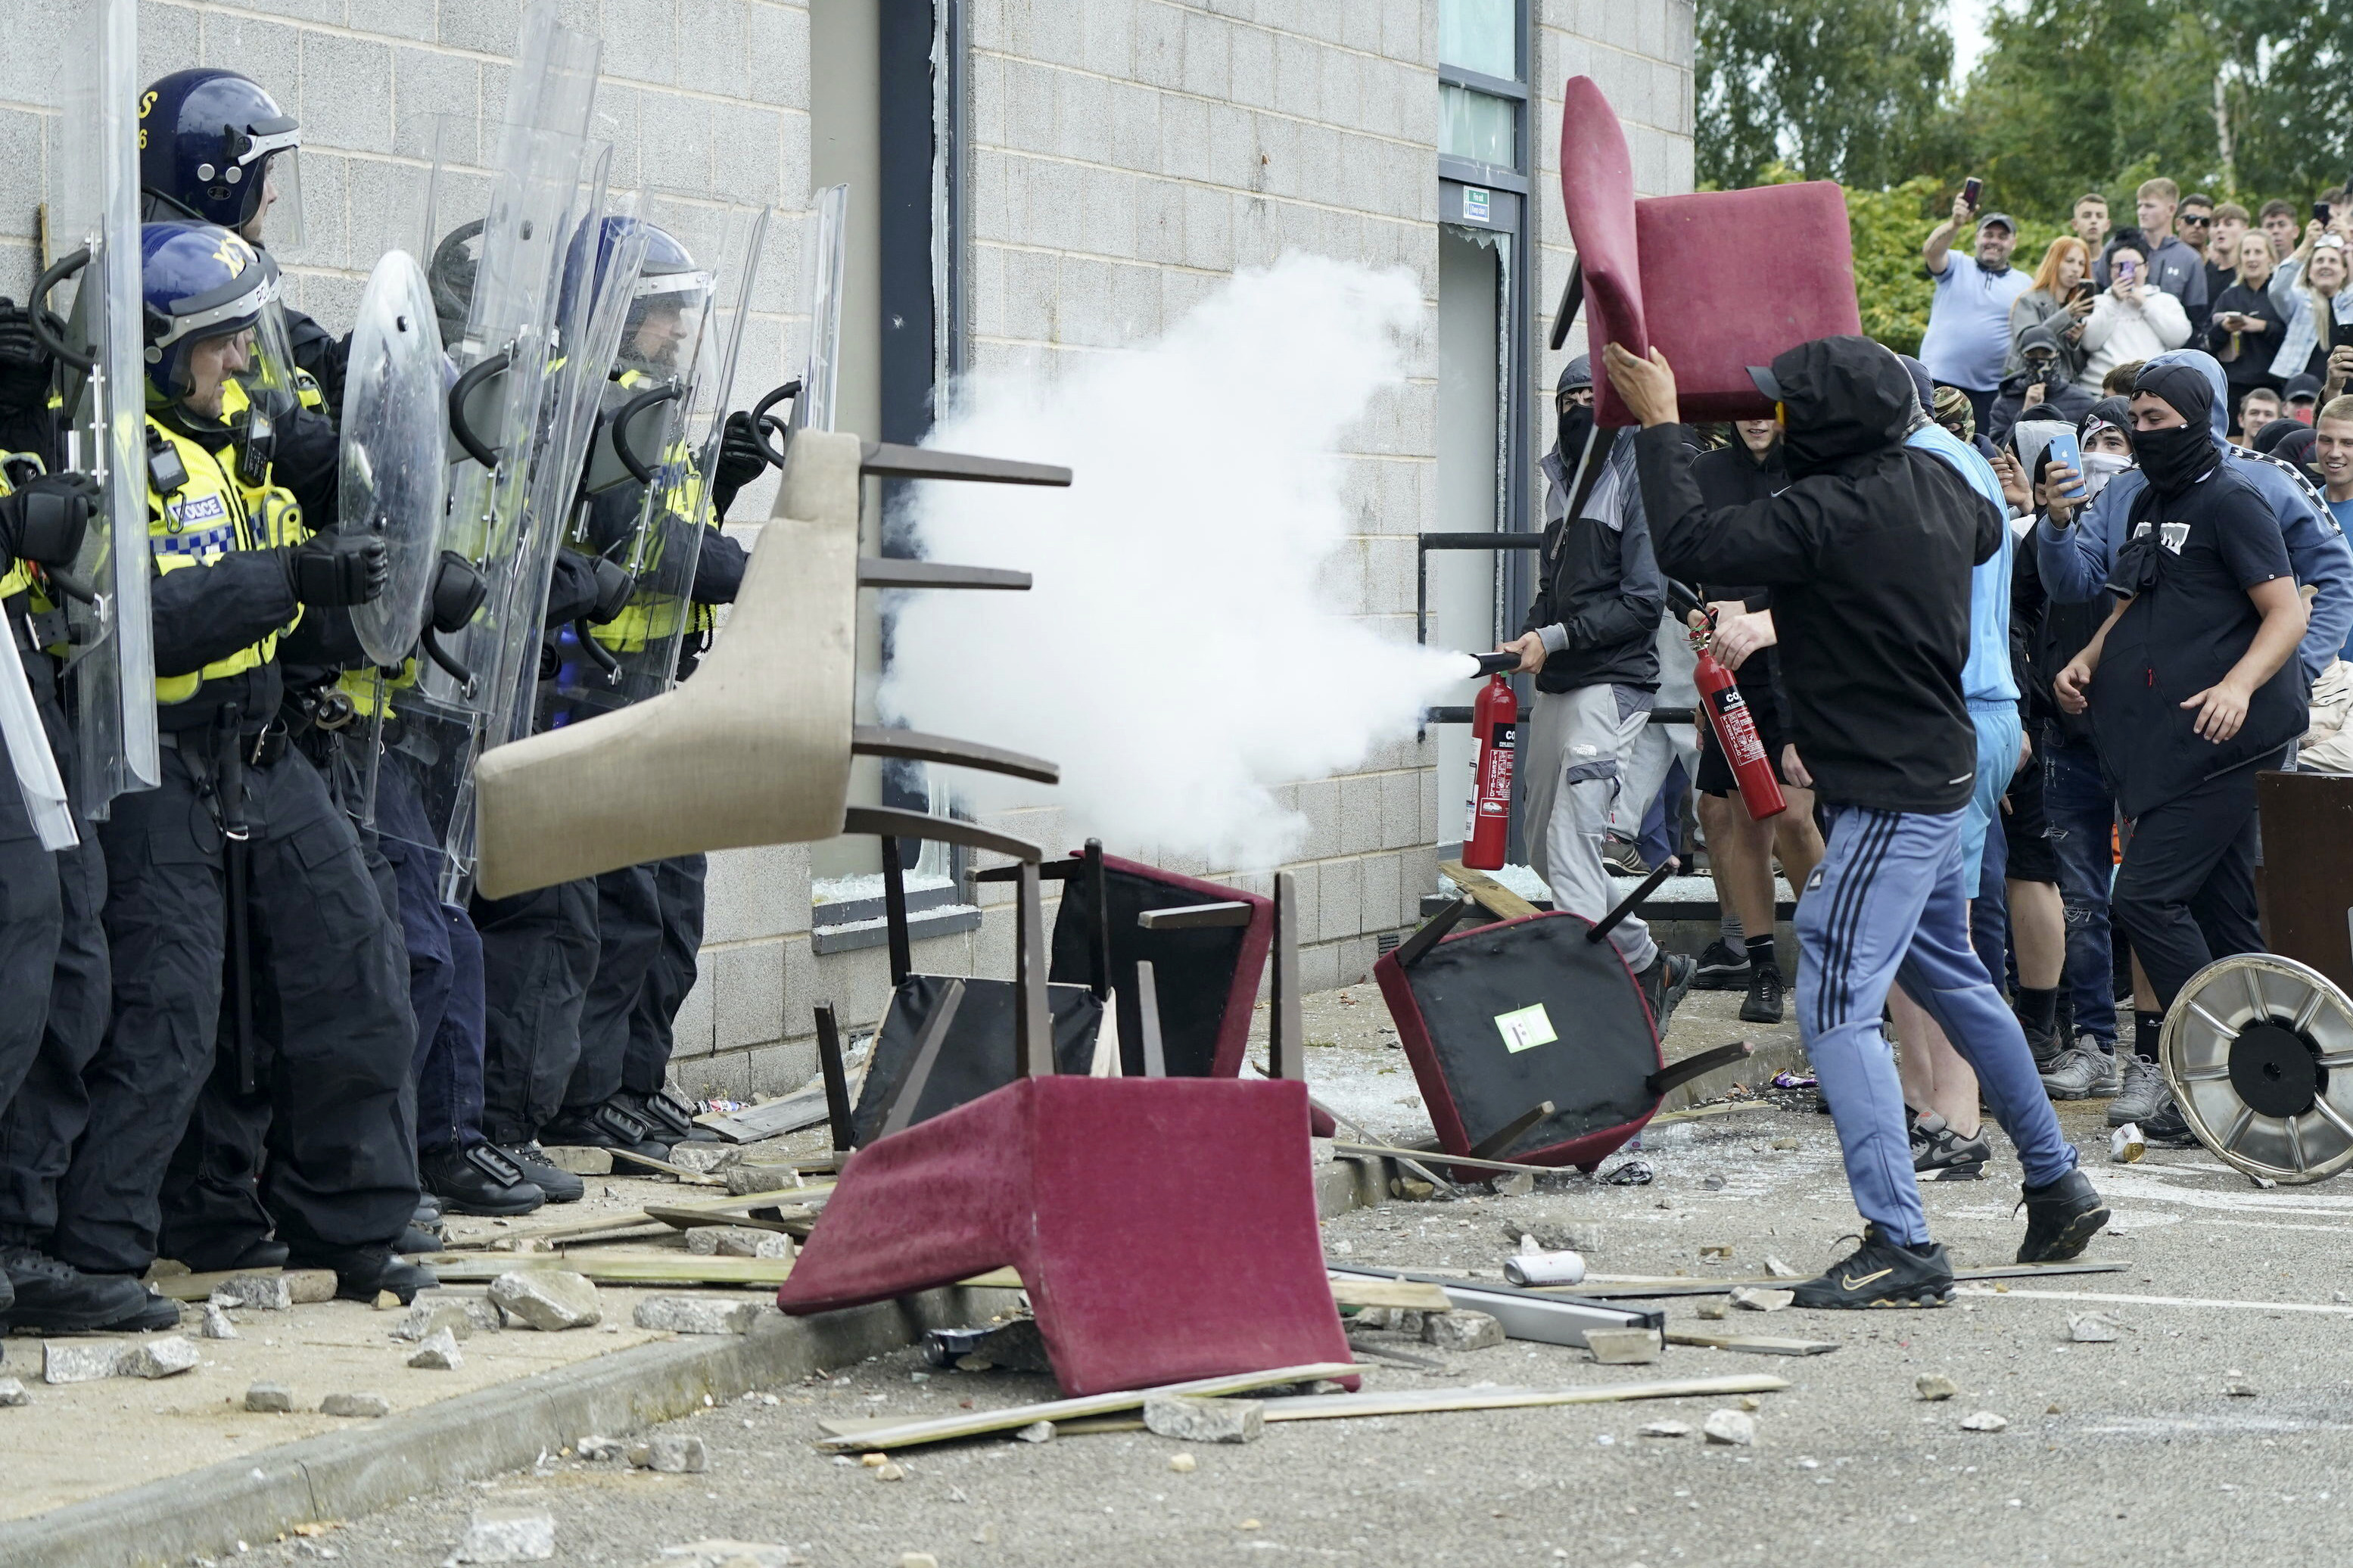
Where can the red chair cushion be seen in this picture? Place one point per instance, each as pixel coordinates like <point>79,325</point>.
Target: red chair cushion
<point>1165,1228</point>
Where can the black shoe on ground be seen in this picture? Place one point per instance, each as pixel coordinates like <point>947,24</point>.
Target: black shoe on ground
<point>1722,967</point>
<point>1943,1154</point>
<point>560,1186</point>
<point>1623,857</point>
<point>55,1297</point>
<point>1882,1273</point>
<point>1665,985</point>
<point>2166,1126</point>
<point>612,1125</point>
<point>154,1315</point>
<point>361,1276</point>
<point>2060,1219</point>
<point>415,1242</point>
<point>1763,1003</point>
<point>670,1118</point>
<point>254,1257</point>
<point>480,1181</point>
<point>429,1210</point>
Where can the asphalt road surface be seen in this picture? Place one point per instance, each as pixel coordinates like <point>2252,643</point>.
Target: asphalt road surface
<point>2131,1451</point>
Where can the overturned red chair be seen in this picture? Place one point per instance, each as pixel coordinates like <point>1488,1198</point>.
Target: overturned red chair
<point>1101,1193</point>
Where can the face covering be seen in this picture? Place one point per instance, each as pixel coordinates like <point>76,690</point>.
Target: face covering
<point>2099,467</point>
<point>1570,433</point>
<point>2176,458</point>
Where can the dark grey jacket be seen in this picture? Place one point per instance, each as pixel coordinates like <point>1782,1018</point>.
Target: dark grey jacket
<point>1598,591</point>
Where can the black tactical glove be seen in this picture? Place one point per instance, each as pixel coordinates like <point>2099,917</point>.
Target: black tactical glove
<point>615,584</point>
<point>45,519</point>
<point>24,364</point>
<point>333,569</point>
<point>740,460</point>
<point>458,592</point>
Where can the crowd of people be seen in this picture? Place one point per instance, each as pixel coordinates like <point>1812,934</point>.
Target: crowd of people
<point>253,1019</point>
<point>2020,621</point>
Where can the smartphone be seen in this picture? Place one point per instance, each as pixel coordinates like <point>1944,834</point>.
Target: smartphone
<point>2320,212</point>
<point>2083,289</point>
<point>1972,185</point>
<point>2065,449</point>
<point>2127,271</point>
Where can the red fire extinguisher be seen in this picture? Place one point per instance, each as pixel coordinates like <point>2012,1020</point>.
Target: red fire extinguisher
<point>1728,717</point>
<point>1495,730</point>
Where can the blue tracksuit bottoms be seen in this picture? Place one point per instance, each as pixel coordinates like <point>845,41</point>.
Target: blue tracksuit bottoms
<point>1889,900</point>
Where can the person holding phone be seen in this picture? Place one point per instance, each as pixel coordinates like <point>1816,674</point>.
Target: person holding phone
<point>2060,301</point>
<point>2132,321</point>
<point>1968,341</point>
<point>2247,328</point>
<point>2310,290</point>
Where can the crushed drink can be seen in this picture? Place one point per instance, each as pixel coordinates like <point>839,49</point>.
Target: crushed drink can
<point>1563,1267</point>
<point>2125,1145</point>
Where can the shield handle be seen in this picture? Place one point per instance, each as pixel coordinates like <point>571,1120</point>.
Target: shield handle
<point>45,325</point>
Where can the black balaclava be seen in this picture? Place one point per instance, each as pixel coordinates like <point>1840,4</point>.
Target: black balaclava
<point>2176,458</point>
<point>1572,428</point>
<point>2273,432</point>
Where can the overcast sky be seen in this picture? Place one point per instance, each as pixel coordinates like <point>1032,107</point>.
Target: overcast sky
<point>1967,22</point>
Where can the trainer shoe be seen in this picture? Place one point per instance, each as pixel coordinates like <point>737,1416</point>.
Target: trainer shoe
<point>2111,1082</point>
<point>1763,1003</point>
<point>1722,967</point>
<point>1940,1151</point>
<point>55,1298</point>
<point>2072,1076</point>
<point>2144,1086</point>
<point>560,1184</point>
<point>1665,985</point>
<point>1882,1273</point>
<point>2060,1219</point>
<point>2044,1045</point>
<point>1624,858</point>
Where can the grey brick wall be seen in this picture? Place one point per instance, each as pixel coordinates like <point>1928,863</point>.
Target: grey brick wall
<point>1127,154</point>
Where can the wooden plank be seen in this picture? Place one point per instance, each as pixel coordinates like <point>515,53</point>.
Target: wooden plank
<point>573,1230</point>
<point>794,1112</point>
<point>1438,1157</point>
<point>1611,1286</point>
<point>995,1280</point>
<point>908,1434</point>
<point>691,1219</point>
<point>614,1268</point>
<point>1493,896</point>
<point>854,1432</point>
<point>692,1178</point>
<point>1411,1295</point>
<point>197,1287</point>
<point>1721,1108</point>
<point>1755,1344</point>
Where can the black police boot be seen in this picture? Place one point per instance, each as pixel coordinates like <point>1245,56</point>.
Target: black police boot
<point>361,1276</point>
<point>429,1211</point>
<point>560,1186</point>
<point>154,1314</point>
<point>612,1125</point>
<point>252,1258</point>
<point>54,1298</point>
<point>479,1181</point>
<point>670,1117</point>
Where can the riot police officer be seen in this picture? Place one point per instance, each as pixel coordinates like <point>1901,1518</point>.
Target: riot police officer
<point>262,1033</point>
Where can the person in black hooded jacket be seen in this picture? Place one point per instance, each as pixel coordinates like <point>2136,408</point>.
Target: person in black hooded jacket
<point>2191,690</point>
<point>1870,553</point>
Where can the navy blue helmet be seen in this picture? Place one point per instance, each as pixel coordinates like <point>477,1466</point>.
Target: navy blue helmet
<point>198,281</point>
<point>212,142</point>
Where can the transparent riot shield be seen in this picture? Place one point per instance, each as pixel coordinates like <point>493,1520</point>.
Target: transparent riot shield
<point>497,247</point>
<point>664,416</point>
<point>92,251</point>
<point>395,442</point>
<point>813,410</point>
<point>30,757</point>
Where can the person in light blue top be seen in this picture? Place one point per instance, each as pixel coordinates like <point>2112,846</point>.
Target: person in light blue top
<point>1968,341</point>
<point>2075,561</point>
<point>1938,1084</point>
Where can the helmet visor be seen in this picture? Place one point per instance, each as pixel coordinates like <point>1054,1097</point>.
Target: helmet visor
<point>277,220</point>
<point>668,319</point>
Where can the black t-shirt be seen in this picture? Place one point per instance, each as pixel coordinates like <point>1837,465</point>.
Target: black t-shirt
<point>2188,564</point>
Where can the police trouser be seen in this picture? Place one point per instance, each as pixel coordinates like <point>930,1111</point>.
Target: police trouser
<point>324,1146</point>
<point>54,981</point>
<point>679,887</point>
<point>445,967</point>
<point>539,950</point>
<point>629,941</point>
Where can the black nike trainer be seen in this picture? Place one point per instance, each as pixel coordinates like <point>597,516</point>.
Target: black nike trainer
<point>2060,1219</point>
<point>1882,1273</point>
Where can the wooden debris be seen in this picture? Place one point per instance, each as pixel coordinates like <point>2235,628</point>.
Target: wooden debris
<point>692,1178</point>
<point>306,1283</point>
<point>633,1219</point>
<point>802,1109</point>
<point>1611,1286</point>
<point>1492,896</point>
<point>1756,1344</point>
<point>1410,1294</point>
<point>617,1268</point>
<point>878,1432</point>
<point>1439,1157</point>
<point>903,1434</point>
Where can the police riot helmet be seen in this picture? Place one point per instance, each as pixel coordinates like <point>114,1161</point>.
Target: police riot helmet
<point>663,335</point>
<point>198,281</point>
<point>212,143</point>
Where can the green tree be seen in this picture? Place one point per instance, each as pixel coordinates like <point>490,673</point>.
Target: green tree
<point>1851,90</point>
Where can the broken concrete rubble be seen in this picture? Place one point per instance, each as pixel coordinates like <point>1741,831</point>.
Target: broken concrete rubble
<point>165,1357</point>
<point>672,1453</point>
<point>1460,1330</point>
<point>508,1535</point>
<point>78,1361</point>
<point>1623,1347</point>
<point>362,1407</point>
<point>439,1353</point>
<point>547,1299</point>
<point>701,1314</point>
<point>269,1399</point>
<point>1186,1419</point>
<point>1736,1428</point>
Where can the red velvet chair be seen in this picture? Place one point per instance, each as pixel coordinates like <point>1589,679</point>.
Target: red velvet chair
<point>1165,1228</point>
<point>1718,281</point>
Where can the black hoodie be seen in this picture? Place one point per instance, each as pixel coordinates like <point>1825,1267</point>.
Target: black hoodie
<point>1868,555</point>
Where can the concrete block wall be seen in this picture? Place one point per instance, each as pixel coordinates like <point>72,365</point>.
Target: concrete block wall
<point>1125,156</point>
